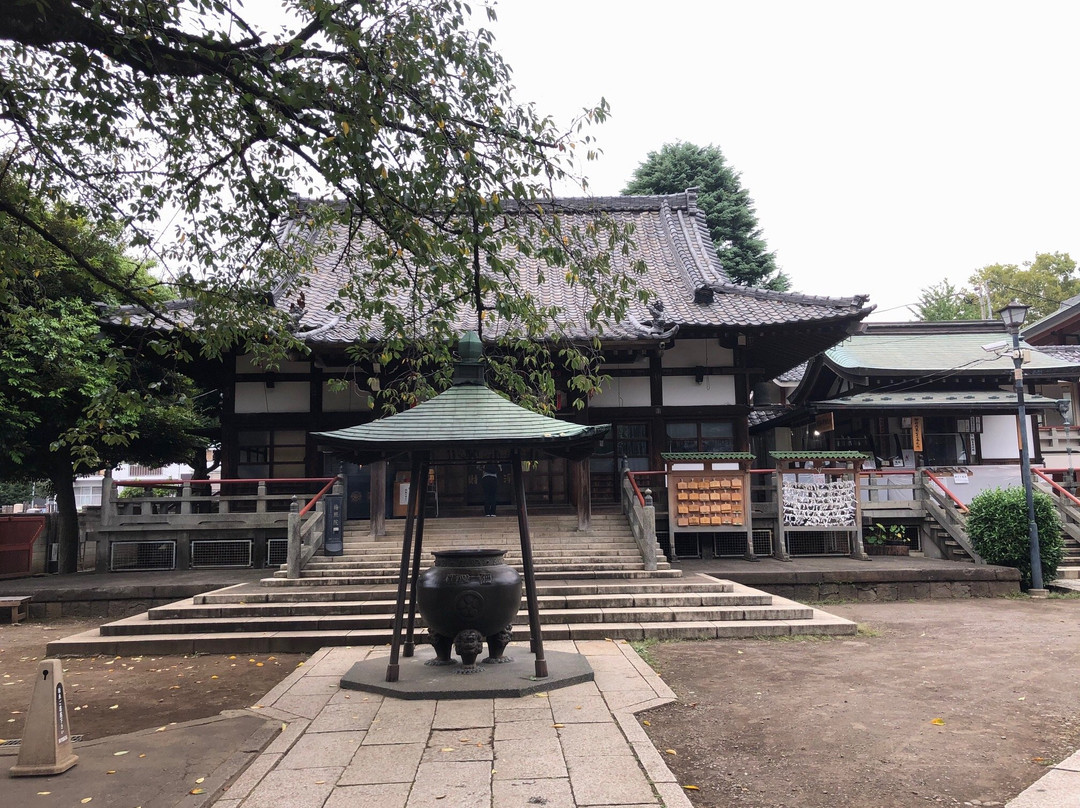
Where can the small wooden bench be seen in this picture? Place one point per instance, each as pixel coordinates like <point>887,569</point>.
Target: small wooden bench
<point>19,606</point>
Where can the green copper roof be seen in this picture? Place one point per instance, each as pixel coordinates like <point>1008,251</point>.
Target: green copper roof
<point>938,399</point>
<point>819,455</point>
<point>876,354</point>
<point>707,456</point>
<point>465,416</point>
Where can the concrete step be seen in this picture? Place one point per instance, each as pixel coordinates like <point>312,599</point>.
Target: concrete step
<point>639,588</point>
<point>189,609</point>
<point>369,580</point>
<point>92,642</point>
<point>140,624</point>
<point>324,568</point>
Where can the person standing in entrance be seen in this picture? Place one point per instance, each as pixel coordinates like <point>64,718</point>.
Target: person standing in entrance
<point>490,483</point>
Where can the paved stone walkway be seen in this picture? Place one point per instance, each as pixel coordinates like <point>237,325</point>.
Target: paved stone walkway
<point>578,746</point>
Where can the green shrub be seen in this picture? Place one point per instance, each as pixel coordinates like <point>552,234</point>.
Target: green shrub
<point>998,525</point>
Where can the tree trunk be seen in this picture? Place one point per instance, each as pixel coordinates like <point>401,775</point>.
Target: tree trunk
<point>63,482</point>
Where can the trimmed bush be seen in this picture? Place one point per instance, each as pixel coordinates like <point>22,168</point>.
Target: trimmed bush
<point>998,525</point>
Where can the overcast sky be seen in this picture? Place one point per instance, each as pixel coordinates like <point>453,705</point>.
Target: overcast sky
<point>887,145</point>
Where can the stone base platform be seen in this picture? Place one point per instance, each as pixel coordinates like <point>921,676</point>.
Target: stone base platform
<point>417,680</point>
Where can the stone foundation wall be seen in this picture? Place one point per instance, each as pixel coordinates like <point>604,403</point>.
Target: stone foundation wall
<point>883,591</point>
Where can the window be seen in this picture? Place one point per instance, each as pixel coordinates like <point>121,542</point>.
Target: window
<point>276,453</point>
<point>704,436</point>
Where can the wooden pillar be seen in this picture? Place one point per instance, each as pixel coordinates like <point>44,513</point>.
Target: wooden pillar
<point>421,515</point>
<point>540,669</point>
<point>393,667</point>
<point>584,494</point>
<point>780,552</point>
<point>378,498</point>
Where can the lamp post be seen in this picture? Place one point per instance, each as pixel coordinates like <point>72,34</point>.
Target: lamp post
<point>1013,315</point>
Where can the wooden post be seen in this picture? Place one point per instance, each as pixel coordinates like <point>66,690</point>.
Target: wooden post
<point>584,495</point>
<point>541,669</point>
<point>378,498</point>
<point>421,516</point>
<point>392,667</point>
<point>780,552</point>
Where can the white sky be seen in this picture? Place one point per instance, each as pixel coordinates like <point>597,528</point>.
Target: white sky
<point>887,145</point>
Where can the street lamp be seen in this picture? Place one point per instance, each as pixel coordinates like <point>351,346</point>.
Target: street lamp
<point>1013,316</point>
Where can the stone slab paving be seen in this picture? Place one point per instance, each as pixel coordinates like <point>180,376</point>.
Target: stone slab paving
<point>574,747</point>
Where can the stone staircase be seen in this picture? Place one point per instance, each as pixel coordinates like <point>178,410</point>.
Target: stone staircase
<point>590,586</point>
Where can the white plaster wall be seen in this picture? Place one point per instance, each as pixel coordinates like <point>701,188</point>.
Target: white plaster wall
<point>629,392</point>
<point>693,352</point>
<point>682,391</point>
<point>282,397</point>
<point>999,437</point>
<point>351,399</point>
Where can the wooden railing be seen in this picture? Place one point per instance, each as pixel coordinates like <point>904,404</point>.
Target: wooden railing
<point>1068,505</point>
<point>641,513</point>
<point>948,511</point>
<point>307,528</point>
<point>194,497</point>
<point>1059,439</point>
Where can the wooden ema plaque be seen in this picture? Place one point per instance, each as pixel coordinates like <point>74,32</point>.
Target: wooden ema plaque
<point>710,500</point>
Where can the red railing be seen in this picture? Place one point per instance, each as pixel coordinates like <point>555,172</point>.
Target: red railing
<point>633,475</point>
<point>963,508</point>
<point>244,481</point>
<point>1058,489</point>
<point>322,492</point>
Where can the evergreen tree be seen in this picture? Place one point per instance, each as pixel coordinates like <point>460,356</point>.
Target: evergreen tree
<point>727,206</point>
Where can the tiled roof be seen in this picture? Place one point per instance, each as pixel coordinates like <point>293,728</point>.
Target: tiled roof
<point>1064,353</point>
<point>707,456</point>
<point>793,375</point>
<point>893,354</point>
<point>670,237</point>
<point>938,399</point>
<point>819,455</point>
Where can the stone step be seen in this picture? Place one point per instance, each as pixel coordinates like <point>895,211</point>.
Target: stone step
<point>333,567</point>
<point>188,609</point>
<point>365,580</point>
<point>247,593</point>
<point>592,548</point>
<point>92,642</point>
<point>140,624</point>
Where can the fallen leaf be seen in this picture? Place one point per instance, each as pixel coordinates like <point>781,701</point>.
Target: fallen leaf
<point>143,755</point>
<point>257,665</point>
<point>200,780</point>
<point>557,726</point>
<point>160,729</point>
<point>44,793</point>
<point>118,754</point>
<point>692,788</point>
<point>671,751</point>
<point>113,707</point>
<point>447,749</point>
<point>1021,698</point>
<point>111,771</point>
<point>938,722</point>
<point>284,726</point>
<point>85,800</point>
<point>197,791</point>
<point>647,723</point>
